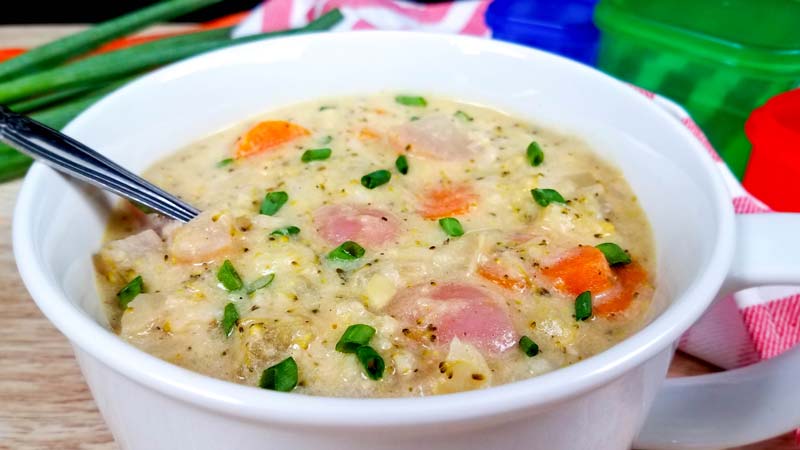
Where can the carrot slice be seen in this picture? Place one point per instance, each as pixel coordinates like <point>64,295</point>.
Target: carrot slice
<point>8,53</point>
<point>496,274</point>
<point>226,21</point>
<point>447,201</point>
<point>268,135</point>
<point>630,277</point>
<point>581,269</point>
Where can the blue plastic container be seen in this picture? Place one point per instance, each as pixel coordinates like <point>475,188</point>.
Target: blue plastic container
<point>564,27</point>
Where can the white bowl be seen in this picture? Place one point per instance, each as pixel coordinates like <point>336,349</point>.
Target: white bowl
<point>599,403</point>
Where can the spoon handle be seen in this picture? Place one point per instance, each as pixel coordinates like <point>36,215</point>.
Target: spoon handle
<point>69,156</point>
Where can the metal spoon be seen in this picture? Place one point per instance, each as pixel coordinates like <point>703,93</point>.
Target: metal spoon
<point>69,156</point>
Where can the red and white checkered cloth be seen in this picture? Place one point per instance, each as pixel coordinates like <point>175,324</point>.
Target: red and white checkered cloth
<point>739,330</point>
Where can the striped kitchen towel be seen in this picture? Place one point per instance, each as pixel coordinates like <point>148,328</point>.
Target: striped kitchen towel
<point>739,330</point>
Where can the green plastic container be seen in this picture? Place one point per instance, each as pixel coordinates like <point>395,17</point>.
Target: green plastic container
<point>720,59</point>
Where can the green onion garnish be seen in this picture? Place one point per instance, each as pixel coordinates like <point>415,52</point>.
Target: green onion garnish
<point>354,336</point>
<point>281,377</point>
<point>546,196</point>
<point>260,283</point>
<point>272,202</point>
<point>402,164</point>
<point>614,254</point>
<point>130,291</point>
<point>224,162</point>
<point>583,306</point>
<point>410,100</point>
<point>413,118</point>
<point>528,347</point>
<point>228,276</point>
<point>326,140</point>
<point>375,179</point>
<point>286,231</point>
<point>463,116</point>
<point>371,361</point>
<point>317,154</point>
<point>451,226</point>
<point>534,153</point>
<point>347,251</point>
<point>229,318</point>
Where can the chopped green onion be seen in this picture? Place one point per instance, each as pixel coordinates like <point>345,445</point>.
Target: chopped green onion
<point>354,336</point>
<point>451,226</point>
<point>528,347</point>
<point>371,361</point>
<point>347,251</point>
<point>281,377</point>
<point>402,164</point>
<point>534,153</point>
<point>224,162</point>
<point>317,154</point>
<point>260,283</point>
<point>228,276</point>
<point>326,140</point>
<point>463,116</point>
<point>410,100</point>
<point>286,231</point>
<point>130,291</point>
<point>230,316</point>
<point>413,118</point>
<point>614,254</point>
<point>326,107</point>
<point>583,306</point>
<point>272,202</point>
<point>375,179</point>
<point>546,196</point>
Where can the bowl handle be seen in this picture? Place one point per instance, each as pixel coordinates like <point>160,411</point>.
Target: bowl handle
<point>745,405</point>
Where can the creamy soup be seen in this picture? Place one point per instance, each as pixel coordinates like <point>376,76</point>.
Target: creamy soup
<point>381,246</point>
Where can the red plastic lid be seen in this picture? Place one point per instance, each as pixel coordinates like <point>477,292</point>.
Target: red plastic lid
<point>773,173</point>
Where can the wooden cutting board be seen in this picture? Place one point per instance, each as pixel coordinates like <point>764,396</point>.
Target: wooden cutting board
<point>44,402</point>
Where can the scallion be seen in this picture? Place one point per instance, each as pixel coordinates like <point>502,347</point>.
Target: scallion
<point>451,226</point>
<point>528,347</point>
<point>260,283</point>
<point>130,291</point>
<point>353,337</point>
<point>583,306</point>
<point>534,153</point>
<point>463,116</point>
<point>546,196</point>
<point>371,361</point>
<point>316,154</point>
<point>224,162</point>
<point>230,316</point>
<point>411,100</point>
<point>75,44</point>
<point>375,179</point>
<point>228,276</point>
<point>272,202</point>
<point>281,377</point>
<point>347,251</point>
<point>286,231</point>
<point>614,254</point>
<point>401,163</point>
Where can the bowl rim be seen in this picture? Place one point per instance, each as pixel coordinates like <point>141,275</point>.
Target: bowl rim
<point>252,403</point>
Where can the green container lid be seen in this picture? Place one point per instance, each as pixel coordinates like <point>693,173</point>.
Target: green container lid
<point>761,36</point>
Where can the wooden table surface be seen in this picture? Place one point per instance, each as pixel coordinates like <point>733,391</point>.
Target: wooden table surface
<point>44,402</point>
